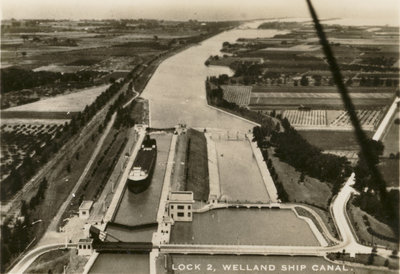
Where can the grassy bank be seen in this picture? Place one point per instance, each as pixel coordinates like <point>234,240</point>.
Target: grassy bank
<point>366,259</point>
<point>196,173</point>
<point>311,191</point>
<point>369,230</point>
<point>54,262</point>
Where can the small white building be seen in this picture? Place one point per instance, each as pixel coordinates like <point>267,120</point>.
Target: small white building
<point>180,206</point>
<point>85,247</point>
<point>85,209</point>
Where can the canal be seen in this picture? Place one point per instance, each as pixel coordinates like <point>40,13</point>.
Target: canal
<point>236,226</point>
<point>177,89</point>
<point>176,94</point>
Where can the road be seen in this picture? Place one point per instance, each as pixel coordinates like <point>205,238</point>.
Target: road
<point>338,206</point>
<point>383,125</point>
<point>56,219</point>
<point>29,258</point>
<point>12,206</point>
<point>99,145</point>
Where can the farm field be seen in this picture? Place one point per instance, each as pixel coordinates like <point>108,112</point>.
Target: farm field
<point>71,102</point>
<point>321,95</point>
<point>369,119</point>
<point>337,119</point>
<point>306,118</point>
<point>239,95</point>
<point>320,89</point>
<point>265,103</point>
<point>23,140</point>
<point>51,57</point>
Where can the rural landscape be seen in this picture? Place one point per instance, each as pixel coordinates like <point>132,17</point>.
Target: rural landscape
<point>256,167</point>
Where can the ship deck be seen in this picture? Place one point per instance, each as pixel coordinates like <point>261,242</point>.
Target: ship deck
<point>145,159</point>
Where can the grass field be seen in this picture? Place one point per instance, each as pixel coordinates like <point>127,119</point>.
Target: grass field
<point>71,102</point>
<point>364,258</point>
<point>51,261</point>
<point>197,165</point>
<point>356,215</point>
<point>55,261</point>
<point>312,191</point>
<point>178,171</point>
<point>332,140</point>
<point>391,138</point>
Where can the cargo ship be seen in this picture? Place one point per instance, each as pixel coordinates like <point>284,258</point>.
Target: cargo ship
<point>139,177</point>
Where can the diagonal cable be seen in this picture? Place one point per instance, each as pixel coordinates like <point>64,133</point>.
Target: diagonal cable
<point>338,79</point>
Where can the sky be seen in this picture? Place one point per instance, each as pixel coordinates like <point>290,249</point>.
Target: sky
<point>385,11</point>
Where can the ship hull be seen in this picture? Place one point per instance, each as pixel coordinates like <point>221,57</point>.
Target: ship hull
<point>138,186</point>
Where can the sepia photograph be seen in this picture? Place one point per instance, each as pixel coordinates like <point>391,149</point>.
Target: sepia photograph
<point>196,137</point>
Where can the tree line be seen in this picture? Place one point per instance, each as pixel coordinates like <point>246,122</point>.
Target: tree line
<point>293,149</point>
<point>15,237</point>
<point>374,197</point>
<point>13,79</point>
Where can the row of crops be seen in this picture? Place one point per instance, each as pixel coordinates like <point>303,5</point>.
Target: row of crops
<point>23,140</point>
<point>369,119</point>
<point>306,118</point>
<point>239,95</point>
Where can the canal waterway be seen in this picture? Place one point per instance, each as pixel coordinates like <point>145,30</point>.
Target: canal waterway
<point>244,227</point>
<point>177,89</point>
<point>176,94</point>
<point>121,263</point>
<point>240,177</point>
<point>137,209</point>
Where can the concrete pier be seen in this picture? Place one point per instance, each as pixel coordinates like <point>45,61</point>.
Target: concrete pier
<point>213,174</point>
<point>122,182</point>
<point>268,181</point>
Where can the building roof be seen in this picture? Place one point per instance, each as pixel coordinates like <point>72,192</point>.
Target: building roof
<point>86,205</point>
<point>181,196</point>
<point>87,240</point>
